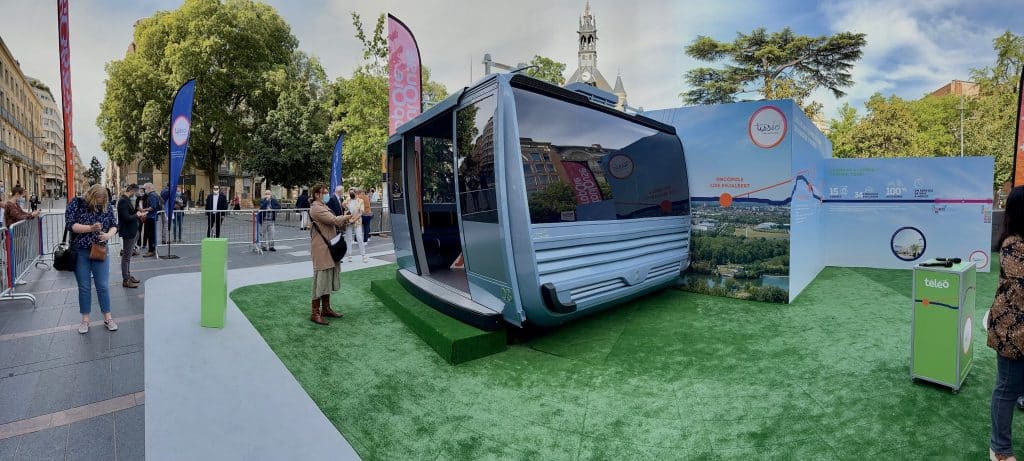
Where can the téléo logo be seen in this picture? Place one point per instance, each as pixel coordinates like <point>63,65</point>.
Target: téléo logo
<point>180,130</point>
<point>936,283</point>
<point>767,127</point>
<point>620,166</point>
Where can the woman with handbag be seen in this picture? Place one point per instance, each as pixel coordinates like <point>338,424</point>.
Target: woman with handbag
<point>326,263</point>
<point>92,218</point>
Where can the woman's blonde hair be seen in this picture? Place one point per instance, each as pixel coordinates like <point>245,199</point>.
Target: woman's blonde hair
<point>96,196</point>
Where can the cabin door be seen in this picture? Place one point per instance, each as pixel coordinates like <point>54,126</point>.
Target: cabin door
<point>483,243</point>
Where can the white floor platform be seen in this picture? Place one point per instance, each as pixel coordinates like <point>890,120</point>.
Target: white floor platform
<point>222,393</point>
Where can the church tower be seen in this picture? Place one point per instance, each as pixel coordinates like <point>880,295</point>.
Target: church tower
<point>586,71</point>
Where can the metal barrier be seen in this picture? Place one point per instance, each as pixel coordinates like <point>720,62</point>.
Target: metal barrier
<point>23,248</point>
<point>381,223</point>
<point>4,262</point>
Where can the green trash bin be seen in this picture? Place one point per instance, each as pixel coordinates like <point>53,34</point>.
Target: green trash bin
<point>214,273</point>
<point>941,349</point>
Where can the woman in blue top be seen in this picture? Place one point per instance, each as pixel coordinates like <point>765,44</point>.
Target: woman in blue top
<point>91,218</point>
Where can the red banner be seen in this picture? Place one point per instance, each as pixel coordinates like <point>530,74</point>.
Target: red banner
<point>584,184</point>
<point>404,78</point>
<point>64,43</point>
<point>1018,144</point>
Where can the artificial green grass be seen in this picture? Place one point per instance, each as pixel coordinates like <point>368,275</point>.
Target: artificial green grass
<point>454,341</point>
<point>674,375</point>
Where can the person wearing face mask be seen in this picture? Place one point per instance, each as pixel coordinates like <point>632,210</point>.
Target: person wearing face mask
<point>354,206</point>
<point>215,204</point>
<point>326,270</point>
<point>92,218</point>
<point>267,219</point>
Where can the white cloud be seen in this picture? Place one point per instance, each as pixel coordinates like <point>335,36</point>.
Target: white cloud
<point>912,47</point>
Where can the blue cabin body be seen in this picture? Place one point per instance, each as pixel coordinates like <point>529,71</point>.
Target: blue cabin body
<point>555,205</point>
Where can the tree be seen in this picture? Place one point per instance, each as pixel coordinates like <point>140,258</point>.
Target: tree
<point>290,145</point>
<point>888,129</point>
<point>95,171</point>
<point>930,126</point>
<point>359,107</point>
<point>989,123</point>
<point>229,47</point>
<point>841,131</point>
<point>547,69</point>
<point>776,65</point>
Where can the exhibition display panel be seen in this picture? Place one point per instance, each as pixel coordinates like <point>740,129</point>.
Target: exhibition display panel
<point>941,326</point>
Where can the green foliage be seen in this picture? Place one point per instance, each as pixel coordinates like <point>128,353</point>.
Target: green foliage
<point>776,65</point>
<point>547,204</point>
<point>547,69</point>
<point>738,250</point>
<point>359,107</point>
<point>930,126</point>
<point>290,146</point>
<point>95,171</point>
<point>768,294</point>
<point>229,47</point>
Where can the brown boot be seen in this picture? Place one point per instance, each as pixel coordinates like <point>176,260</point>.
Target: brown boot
<point>315,315</point>
<point>325,307</point>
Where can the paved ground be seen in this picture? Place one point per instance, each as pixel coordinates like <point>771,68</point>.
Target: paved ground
<point>222,393</point>
<point>69,396</point>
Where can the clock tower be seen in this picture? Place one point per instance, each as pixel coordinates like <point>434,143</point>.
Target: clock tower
<point>586,71</point>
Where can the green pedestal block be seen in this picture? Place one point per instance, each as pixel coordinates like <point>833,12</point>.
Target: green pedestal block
<point>941,348</point>
<point>214,267</point>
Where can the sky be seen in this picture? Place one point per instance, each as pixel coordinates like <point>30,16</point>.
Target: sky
<point>913,46</point>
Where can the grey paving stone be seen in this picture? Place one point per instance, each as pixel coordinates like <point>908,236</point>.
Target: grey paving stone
<point>92,439</point>
<point>130,433</point>
<point>8,447</point>
<point>71,386</point>
<point>126,372</point>
<point>127,333</point>
<point>15,395</point>
<point>21,351</point>
<point>72,344</point>
<point>49,444</point>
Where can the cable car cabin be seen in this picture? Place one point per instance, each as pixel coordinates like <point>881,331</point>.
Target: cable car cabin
<point>522,202</point>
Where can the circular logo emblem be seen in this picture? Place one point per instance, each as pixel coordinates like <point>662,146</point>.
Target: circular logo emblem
<point>908,243</point>
<point>968,326</point>
<point>179,130</point>
<point>767,127</point>
<point>620,166</point>
<point>979,258</point>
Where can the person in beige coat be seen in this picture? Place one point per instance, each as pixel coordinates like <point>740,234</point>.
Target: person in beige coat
<point>325,269</point>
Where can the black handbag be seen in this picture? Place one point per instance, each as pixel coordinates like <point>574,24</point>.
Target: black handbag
<point>65,257</point>
<point>338,249</point>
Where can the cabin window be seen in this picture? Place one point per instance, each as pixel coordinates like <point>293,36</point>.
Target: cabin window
<point>439,175</point>
<point>475,132</point>
<point>395,190</point>
<point>595,166</point>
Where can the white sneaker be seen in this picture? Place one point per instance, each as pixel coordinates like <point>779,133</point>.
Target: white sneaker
<point>365,259</point>
<point>111,325</point>
<point>83,327</point>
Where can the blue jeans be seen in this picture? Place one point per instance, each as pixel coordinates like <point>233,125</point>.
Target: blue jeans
<point>1009,386</point>
<point>100,273</point>
<point>366,227</point>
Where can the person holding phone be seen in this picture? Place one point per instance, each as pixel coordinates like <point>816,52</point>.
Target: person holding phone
<point>326,270</point>
<point>92,218</point>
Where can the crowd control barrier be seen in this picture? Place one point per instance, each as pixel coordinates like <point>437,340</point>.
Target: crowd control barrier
<point>30,243</point>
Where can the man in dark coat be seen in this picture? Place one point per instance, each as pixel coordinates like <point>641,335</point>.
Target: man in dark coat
<point>128,228</point>
<point>215,204</point>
